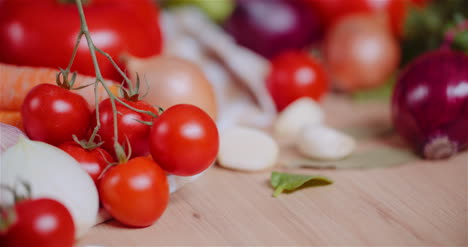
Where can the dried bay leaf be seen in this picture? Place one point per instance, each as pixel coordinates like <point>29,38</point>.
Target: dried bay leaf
<point>376,158</point>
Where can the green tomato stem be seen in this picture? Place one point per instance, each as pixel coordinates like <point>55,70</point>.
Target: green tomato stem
<point>99,78</point>
<point>127,80</point>
<point>75,50</point>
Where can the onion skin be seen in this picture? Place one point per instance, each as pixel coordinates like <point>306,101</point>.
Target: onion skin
<point>171,81</point>
<point>9,136</point>
<point>430,104</point>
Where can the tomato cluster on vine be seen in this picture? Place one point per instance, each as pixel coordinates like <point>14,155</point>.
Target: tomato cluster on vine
<point>130,173</point>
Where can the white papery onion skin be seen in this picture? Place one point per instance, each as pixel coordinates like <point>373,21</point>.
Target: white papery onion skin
<point>9,136</point>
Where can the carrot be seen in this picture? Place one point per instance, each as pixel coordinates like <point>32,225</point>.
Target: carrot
<point>11,118</point>
<point>17,81</point>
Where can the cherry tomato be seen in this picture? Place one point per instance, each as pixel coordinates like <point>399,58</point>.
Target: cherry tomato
<point>92,161</point>
<point>53,114</point>
<point>44,32</point>
<point>294,75</point>
<point>39,222</point>
<point>333,10</point>
<point>184,140</point>
<point>128,126</point>
<point>135,193</point>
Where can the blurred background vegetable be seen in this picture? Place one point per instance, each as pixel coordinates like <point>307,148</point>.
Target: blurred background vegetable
<point>43,33</point>
<point>168,80</point>
<point>217,10</point>
<point>331,11</point>
<point>429,106</point>
<point>360,53</point>
<point>425,27</point>
<point>271,27</point>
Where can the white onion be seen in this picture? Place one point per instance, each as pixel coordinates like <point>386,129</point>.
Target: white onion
<point>51,173</point>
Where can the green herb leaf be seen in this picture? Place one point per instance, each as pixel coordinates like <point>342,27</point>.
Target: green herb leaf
<point>290,182</point>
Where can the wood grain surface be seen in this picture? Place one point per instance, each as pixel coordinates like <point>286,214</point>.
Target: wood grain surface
<point>417,203</point>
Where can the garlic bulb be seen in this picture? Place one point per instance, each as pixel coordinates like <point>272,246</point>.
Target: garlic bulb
<point>51,173</point>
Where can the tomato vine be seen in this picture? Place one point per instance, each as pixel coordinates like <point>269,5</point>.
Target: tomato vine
<point>84,31</point>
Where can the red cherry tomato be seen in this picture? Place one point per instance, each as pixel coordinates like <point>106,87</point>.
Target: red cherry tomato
<point>39,222</point>
<point>294,75</point>
<point>44,32</point>
<point>92,161</point>
<point>128,126</point>
<point>53,114</point>
<point>333,10</point>
<point>184,140</point>
<point>135,193</point>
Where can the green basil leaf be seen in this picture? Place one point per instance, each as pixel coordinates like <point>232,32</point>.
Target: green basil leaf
<point>290,182</point>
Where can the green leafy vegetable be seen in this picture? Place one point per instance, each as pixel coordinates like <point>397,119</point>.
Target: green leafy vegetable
<point>425,27</point>
<point>461,41</point>
<point>290,182</point>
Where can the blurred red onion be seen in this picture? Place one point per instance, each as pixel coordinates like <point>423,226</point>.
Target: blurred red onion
<point>430,103</point>
<point>269,27</point>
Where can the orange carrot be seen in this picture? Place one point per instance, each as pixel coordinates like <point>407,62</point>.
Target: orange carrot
<point>16,81</point>
<point>11,118</point>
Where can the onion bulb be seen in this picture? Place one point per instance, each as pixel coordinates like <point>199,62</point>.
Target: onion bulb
<point>360,52</point>
<point>51,173</point>
<point>172,81</point>
<point>430,103</point>
<point>270,27</point>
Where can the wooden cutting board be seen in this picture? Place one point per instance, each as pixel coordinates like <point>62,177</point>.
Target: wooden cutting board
<point>414,203</point>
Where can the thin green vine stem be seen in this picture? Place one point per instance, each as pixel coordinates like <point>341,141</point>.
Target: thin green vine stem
<point>127,80</point>
<point>99,78</point>
<point>100,81</point>
<point>75,50</point>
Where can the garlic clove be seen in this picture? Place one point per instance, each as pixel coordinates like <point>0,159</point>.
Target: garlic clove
<point>247,149</point>
<point>324,143</point>
<point>299,113</point>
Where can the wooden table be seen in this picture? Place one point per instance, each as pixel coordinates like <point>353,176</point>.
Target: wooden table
<point>419,203</point>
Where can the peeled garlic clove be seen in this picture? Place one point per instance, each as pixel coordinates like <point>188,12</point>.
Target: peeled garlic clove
<point>299,113</point>
<point>324,143</point>
<point>247,149</point>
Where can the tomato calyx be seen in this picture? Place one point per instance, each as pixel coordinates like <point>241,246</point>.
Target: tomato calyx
<point>87,144</point>
<point>8,217</point>
<point>132,93</point>
<point>62,80</point>
<point>14,191</point>
<point>8,213</point>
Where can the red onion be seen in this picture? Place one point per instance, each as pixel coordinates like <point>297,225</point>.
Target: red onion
<point>269,27</point>
<point>430,103</point>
